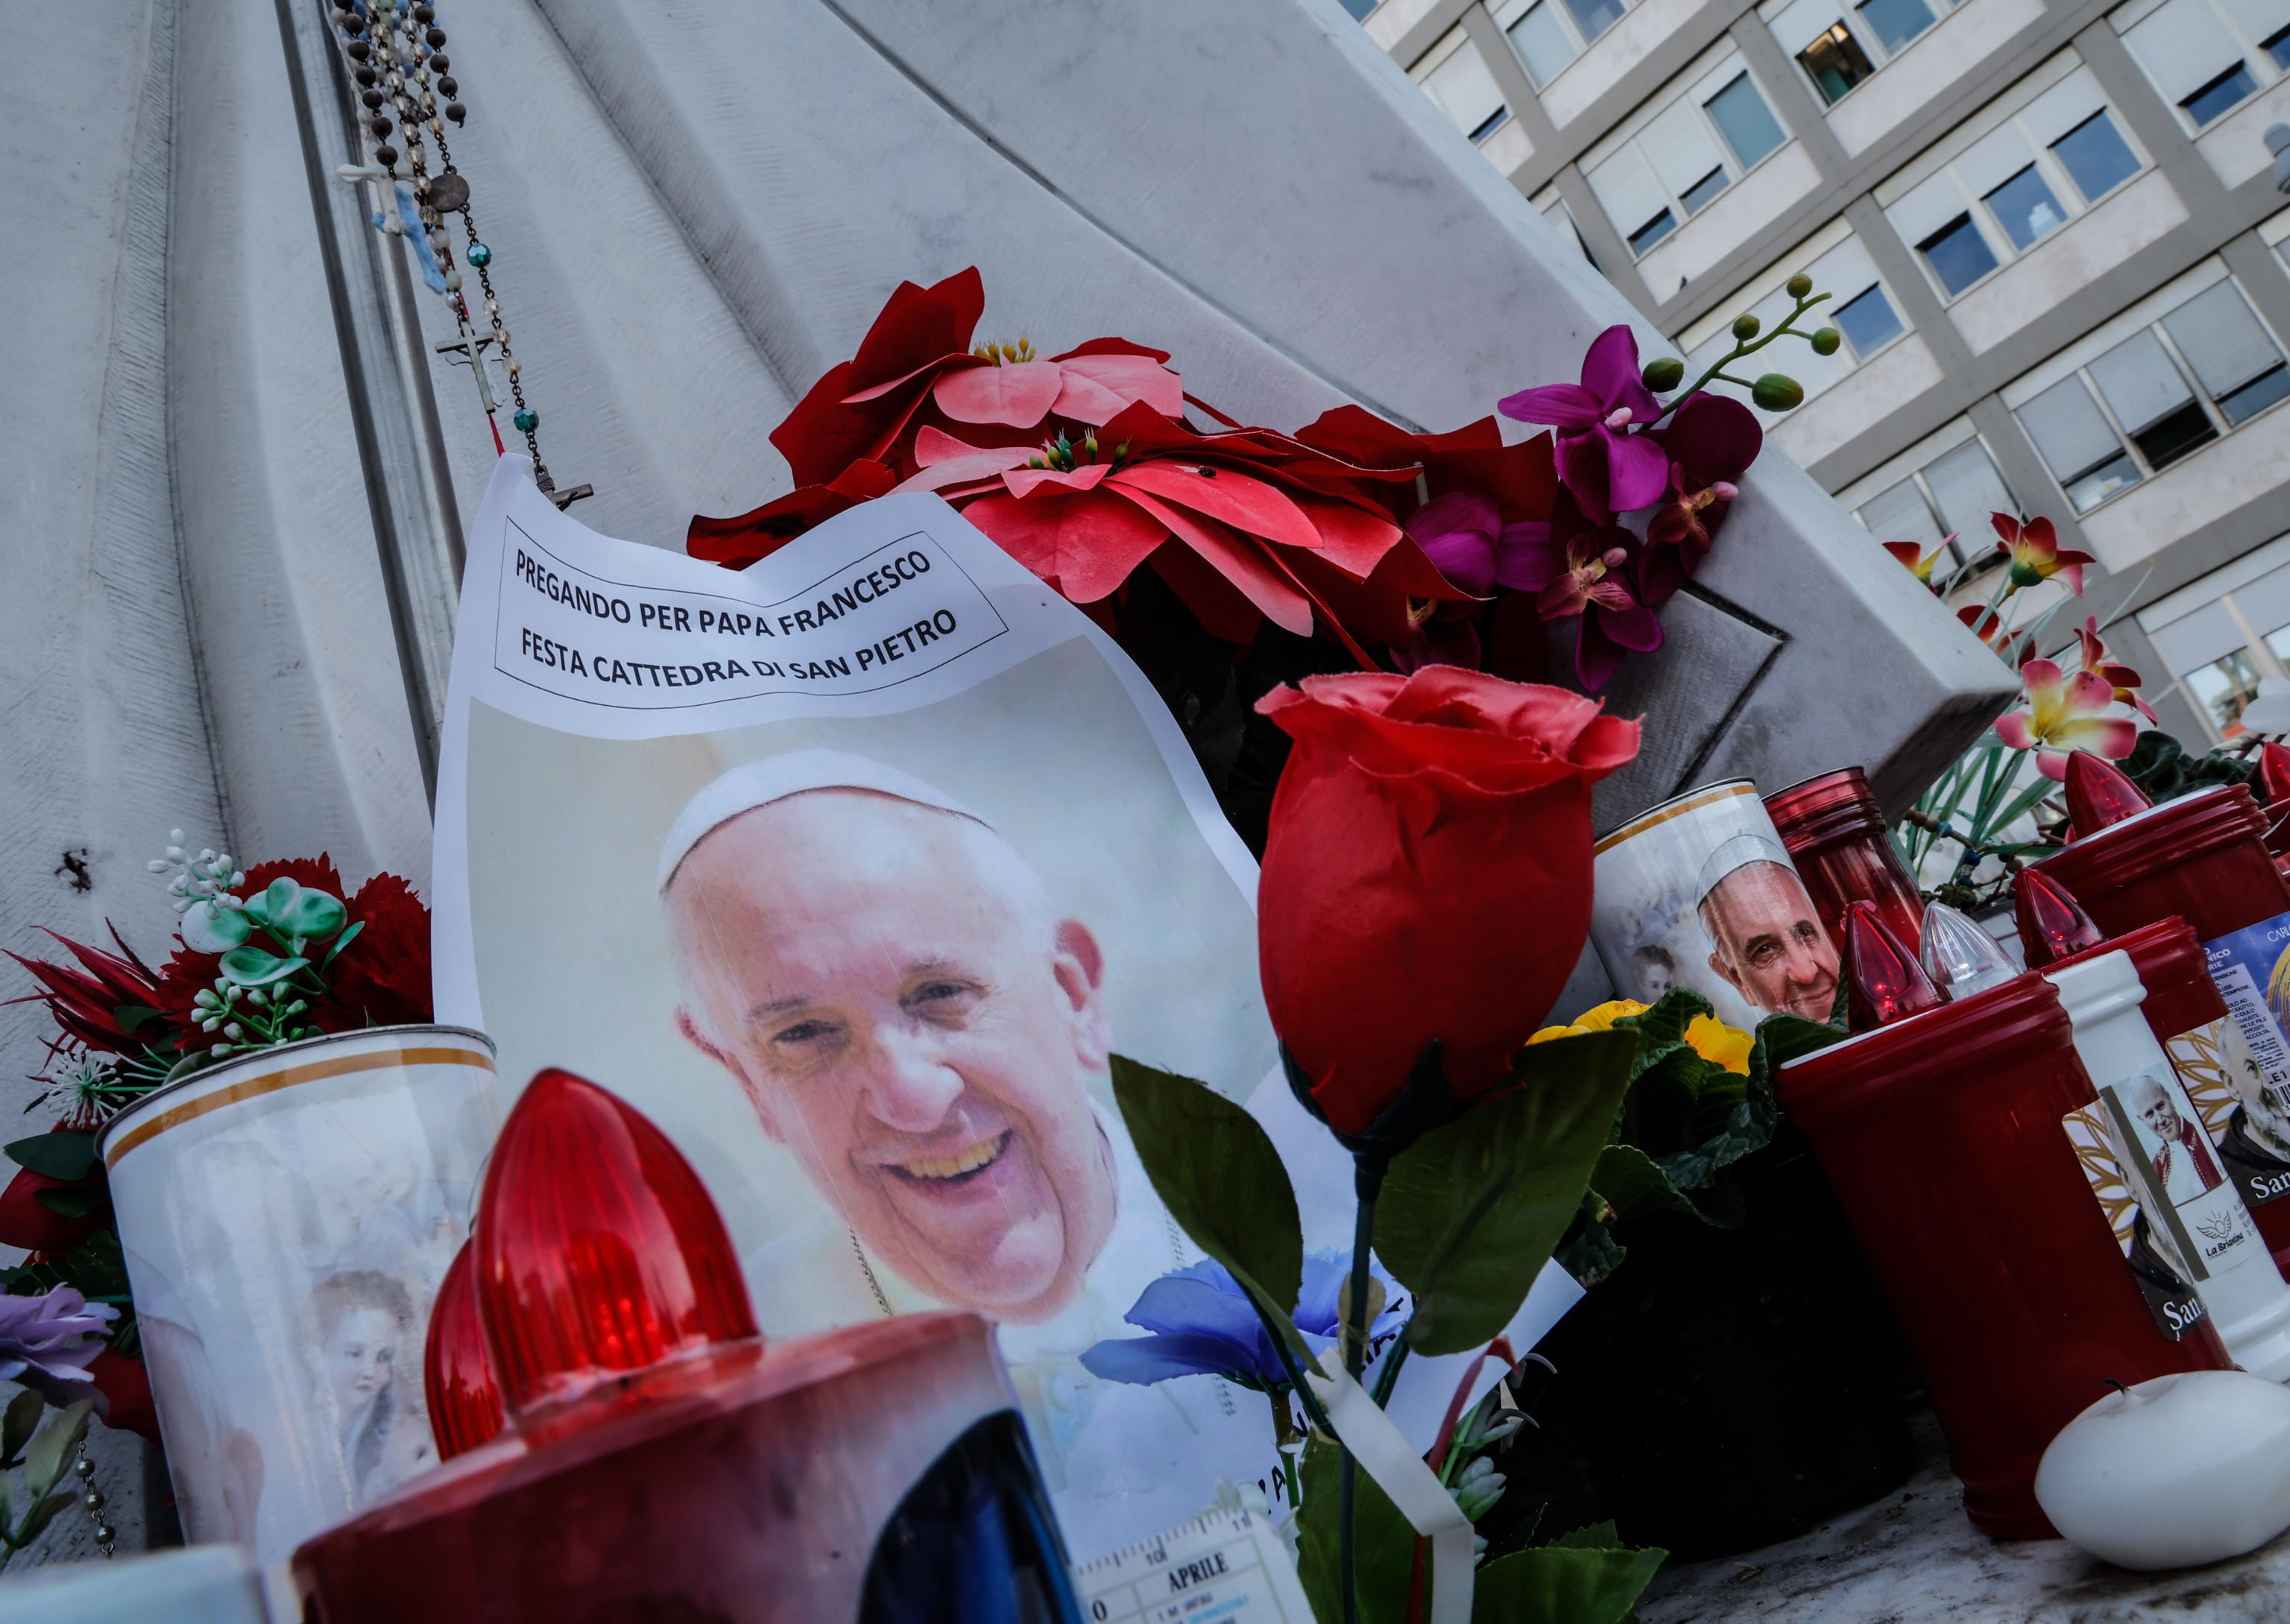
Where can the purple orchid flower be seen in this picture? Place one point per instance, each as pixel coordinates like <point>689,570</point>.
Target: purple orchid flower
<point>46,1342</point>
<point>1608,469</point>
<point>1590,571</point>
<point>1203,1324</point>
<point>1710,442</point>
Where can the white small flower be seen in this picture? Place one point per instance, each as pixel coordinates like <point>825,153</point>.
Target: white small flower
<point>234,1031</point>
<point>176,835</point>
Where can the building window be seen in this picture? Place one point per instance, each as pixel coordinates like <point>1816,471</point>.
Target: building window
<point>2024,206</point>
<point>1897,22</point>
<point>1746,121</point>
<point>1839,43</point>
<point>1359,9</point>
<point>1950,494</point>
<point>1685,156</point>
<point>2014,183</point>
<point>2219,635</point>
<point>1543,42</point>
<point>2221,94</point>
<point>1550,34</point>
<point>2096,156</point>
<point>1959,254</point>
<point>2156,395</point>
<point>2207,57</point>
<point>1835,63</point>
<point>1455,77</point>
<point>1868,322</point>
<point>1646,235</point>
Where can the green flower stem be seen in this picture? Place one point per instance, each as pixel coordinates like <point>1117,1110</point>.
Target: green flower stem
<point>1368,1168</point>
<point>1743,348</point>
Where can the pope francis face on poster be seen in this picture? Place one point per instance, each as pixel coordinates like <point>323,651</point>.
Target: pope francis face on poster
<point>885,978</point>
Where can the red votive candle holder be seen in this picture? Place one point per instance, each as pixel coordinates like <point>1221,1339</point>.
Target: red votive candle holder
<point>2203,857</point>
<point>1835,834</point>
<point>1942,1138</point>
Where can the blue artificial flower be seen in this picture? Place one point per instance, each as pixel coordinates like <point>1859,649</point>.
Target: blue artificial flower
<point>1202,1324</point>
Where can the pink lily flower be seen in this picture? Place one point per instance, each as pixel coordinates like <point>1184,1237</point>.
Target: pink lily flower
<point>1920,562</point>
<point>2066,713</point>
<point>2035,554</point>
<point>1608,469</point>
<point>2125,680</point>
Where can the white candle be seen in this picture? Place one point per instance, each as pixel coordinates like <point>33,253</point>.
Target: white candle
<point>2173,1472</point>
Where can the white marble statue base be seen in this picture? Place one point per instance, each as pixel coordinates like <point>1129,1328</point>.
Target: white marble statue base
<point>1914,1558</point>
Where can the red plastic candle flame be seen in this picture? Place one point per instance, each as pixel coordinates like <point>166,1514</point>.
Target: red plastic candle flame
<point>2053,923</point>
<point>1884,982</point>
<point>2100,794</point>
<point>456,1373</point>
<point>598,1250</point>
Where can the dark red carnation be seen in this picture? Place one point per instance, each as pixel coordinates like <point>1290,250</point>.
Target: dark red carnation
<point>383,979</point>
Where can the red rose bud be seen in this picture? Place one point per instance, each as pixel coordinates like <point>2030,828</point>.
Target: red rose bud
<point>126,1389</point>
<point>2099,793</point>
<point>1427,874</point>
<point>2053,923</point>
<point>1884,982</point>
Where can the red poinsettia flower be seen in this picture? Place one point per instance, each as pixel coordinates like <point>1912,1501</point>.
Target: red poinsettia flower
<point>1243,525</point>
<point>2035,554</point>
<point>738,542</point>
<point>2125,680</point>
<point>1518,479</point>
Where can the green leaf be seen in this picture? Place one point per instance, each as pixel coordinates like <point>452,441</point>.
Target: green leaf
<point>1384,1541</point>
<point>341,941</point>
<point>76,1201</point>
<point>132,1016</point>
<point>313,915</point>
<point>1470,1213</point>
<point>1633,1182</point>
<point>253,967</point>
<point>1589,1253</point>
<point>67,1154</point>
<point>16,1424</point>
<point>38,1517</point>
<point>1596,1537</point>
<point>52,1449</point>
<point>1783,1038</point>
<point>1667,1020</point>
<point>1215,1169</point>
<point>1563,1584</point>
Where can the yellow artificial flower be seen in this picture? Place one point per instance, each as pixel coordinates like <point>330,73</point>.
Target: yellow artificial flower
<point>1600,1019</point>
<point>1720,1044</point>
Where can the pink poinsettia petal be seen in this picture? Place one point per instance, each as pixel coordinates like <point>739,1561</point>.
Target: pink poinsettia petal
<point>1096,388</point>
<point>947,461</point>
<point>1018,395</point>
<point>1025,482</point>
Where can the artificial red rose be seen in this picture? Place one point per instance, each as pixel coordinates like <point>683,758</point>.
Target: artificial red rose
<point>126,1388</point>
<point>1427,874</point>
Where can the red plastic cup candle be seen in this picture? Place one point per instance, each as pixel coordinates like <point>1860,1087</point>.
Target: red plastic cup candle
<point>2274,778</point>
<point>2052,924</point>
<point>656,1460</point>
<point>1942,1135</point>
<point>2100,794</point>
<point>1835,833</point>
<point>2203,857</point>
<point>1884,982</point>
